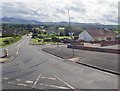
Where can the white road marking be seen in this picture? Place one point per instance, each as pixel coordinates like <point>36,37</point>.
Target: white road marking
<point>17,52</point>
<point>29,82</point>
<point>41,83</point>
<point>18,48</point>
<point>10,83</point>
<point>60,87</point>
<point>18,80</point>
<point>37,79</point>
<point>65,83</point>
<point>54,86</point>
<point>5,78</point>
<point>11,58</point>
<point>19,84</point>
<point>49,78</point>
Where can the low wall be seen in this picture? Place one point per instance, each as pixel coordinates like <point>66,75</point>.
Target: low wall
<point>116,51</point>
<point>92,45</point>
<point>108,43</point>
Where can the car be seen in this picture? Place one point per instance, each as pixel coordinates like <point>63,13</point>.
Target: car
<point>69,46</point>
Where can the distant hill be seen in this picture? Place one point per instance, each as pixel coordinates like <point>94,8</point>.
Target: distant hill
<point>18,21</point>
<point>82,25</point>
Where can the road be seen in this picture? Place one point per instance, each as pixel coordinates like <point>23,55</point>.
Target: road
<point>108,61</point>
<point>33,68</point>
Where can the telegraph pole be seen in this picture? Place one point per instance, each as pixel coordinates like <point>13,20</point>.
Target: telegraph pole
<point>71,33</point>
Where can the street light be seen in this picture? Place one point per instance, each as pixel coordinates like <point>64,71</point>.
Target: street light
<point>72,42</point>
<point>71,33</point>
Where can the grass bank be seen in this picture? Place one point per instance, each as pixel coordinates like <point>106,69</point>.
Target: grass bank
<point>6,41</point>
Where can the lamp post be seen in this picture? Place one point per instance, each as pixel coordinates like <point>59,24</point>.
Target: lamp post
<point>71,33</point>
<point>72,42</point>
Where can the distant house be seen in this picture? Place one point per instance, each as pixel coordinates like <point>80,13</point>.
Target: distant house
<point>97,35</point>
<point>0,33</point>
<point>8,33</point>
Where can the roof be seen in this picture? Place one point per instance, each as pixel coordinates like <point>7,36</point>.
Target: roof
<point>9,31</point>
<point>101,33</point>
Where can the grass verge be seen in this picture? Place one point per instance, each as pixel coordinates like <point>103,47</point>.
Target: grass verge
<point>6,41</point>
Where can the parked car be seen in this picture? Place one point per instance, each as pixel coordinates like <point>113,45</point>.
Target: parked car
<point>69,46</point>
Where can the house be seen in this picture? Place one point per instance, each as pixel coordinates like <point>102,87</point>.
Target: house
<point>7,33</point>
<point>97,35</point>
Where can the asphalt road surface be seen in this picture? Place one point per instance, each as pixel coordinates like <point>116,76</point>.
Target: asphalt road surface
<point>33,68</point>
<point>108,61</point>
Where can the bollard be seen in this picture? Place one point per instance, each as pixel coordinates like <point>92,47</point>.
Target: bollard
<point>6,52</point>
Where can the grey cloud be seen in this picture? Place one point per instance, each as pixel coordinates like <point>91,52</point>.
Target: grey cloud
<point>78,9</point>
<point>39,13</point>
<point>56,15</point>
<point>11,9</point>
<point>47,12</point>
<point>108,18</point>
<point>112,20</point>
<point>60,11</point>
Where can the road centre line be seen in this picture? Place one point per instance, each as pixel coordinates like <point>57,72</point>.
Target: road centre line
<point>17,79</point>
<point>10,82</point>
<point>19,84</point>
<point>12,57</point>
<point>29,82</point>
<point>5,78</point>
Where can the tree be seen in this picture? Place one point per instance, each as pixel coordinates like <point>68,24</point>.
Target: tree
<point>61,31</point>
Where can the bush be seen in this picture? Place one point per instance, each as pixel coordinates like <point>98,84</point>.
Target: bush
<point>6,41</point>
<point>41,37</point>
<point>47,40</point>
<point>55,39</point>
<point>10,40</point>
<point>7,35</point>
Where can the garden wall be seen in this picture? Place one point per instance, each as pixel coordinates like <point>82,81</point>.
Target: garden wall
<point>116,51</point>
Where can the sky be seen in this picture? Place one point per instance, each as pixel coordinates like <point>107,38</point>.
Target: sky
<point>82,11</point>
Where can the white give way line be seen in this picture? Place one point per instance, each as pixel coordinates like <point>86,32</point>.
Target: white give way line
<point>37,80</point>
<point>65,82</point>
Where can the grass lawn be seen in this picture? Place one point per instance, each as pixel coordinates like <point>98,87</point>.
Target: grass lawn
<point>62,37</point>
<point>35,41</point>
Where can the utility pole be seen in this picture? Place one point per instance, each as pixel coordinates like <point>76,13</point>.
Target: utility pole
<point>71,33</point>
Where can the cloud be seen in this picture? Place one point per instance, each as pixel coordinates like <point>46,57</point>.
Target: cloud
<point>56,10</point>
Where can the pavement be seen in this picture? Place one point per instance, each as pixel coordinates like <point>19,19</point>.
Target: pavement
<point>105,61</point>
<point>112,46</point>
<point>34,69</point>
